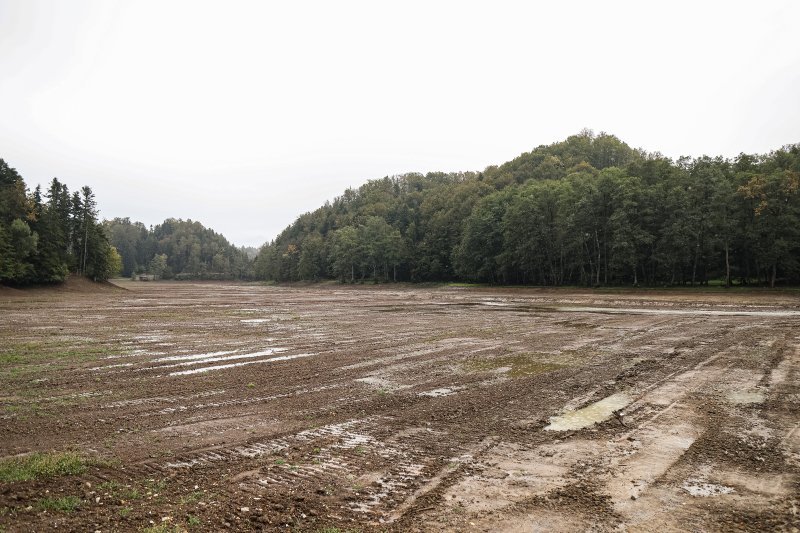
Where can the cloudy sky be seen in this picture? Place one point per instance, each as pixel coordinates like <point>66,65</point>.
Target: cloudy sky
<point>243,115</point>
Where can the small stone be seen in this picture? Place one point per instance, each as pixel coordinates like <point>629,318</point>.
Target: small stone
<point>245,509</point>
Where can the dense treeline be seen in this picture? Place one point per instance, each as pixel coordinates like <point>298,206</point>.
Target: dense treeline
<point>589,210</point>
<point>180,249</point>
<point>44,237</point>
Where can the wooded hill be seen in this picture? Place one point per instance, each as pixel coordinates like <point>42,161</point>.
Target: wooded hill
<point>586,211</point>
<point>179,249</point>
<point>45,237</point>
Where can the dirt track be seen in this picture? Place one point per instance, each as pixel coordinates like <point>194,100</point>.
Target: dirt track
<point>245,407</point>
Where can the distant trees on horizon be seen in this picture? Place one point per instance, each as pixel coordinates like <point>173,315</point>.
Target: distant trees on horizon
<point>589,210</point>
<point>177,249</point>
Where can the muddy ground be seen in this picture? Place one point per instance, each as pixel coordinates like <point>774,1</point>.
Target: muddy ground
<point>208,407</point>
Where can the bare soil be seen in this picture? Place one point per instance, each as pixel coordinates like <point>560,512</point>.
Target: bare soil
<point>213,406</point>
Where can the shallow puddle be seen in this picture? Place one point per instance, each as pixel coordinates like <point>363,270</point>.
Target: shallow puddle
<point>192,356</point>
<point>444,391</point>
<point>232,365</point>
<point>701,489</point>
<point>701,312</point>
<point>589,415</point>
<point>746,396</point>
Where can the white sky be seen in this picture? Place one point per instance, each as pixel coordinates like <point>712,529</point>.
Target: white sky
<point>243,115</point>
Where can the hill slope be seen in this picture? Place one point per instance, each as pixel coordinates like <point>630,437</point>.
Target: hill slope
<point>589,210</point>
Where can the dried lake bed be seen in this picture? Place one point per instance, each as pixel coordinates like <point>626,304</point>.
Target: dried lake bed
<point>222,406</point>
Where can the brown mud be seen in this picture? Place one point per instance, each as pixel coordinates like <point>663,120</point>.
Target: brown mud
<point>213,406</point>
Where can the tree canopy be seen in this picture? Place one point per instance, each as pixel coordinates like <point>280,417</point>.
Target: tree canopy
<point>589,210</point>
<point>45,237</point>
<point>180,249</point>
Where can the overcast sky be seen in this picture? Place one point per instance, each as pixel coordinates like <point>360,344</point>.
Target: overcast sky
<point>243,115</point>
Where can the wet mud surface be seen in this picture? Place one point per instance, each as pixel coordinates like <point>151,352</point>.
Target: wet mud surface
<point>209,407</point>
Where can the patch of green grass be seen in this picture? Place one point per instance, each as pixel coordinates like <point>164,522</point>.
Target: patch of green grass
<point>65,504</point>
<point>192,497</point>
<point>125,512</point>
<point>51,350</point>
<point>24,411</point>
<point>40,465</point>
<point>280,461</point>
<point>155,485</point>
<point>193,521</point>
<point>520,365</point>
<point>164,528</point>
<point>10,358</point>
<point>251,385</point>
<point>117,490</point>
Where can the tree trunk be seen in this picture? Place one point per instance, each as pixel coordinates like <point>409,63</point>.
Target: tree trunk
<point>605,258</point>
<point>597,244</point>
<point>727,265</point>
<point>85,242</point>
<point>774,274</point>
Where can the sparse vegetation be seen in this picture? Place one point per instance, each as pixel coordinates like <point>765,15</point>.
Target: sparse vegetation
<point>40,465</point>
<point>164,528</point>
<point>155,485</point>
<point>119,491</point>
<point>192,497</point>
<point>65,504</point>
<point>519,365</point>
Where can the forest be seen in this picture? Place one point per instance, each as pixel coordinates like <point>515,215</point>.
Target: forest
<point>177,249</point>
<point>45,237</point>
<point>587,211</point>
